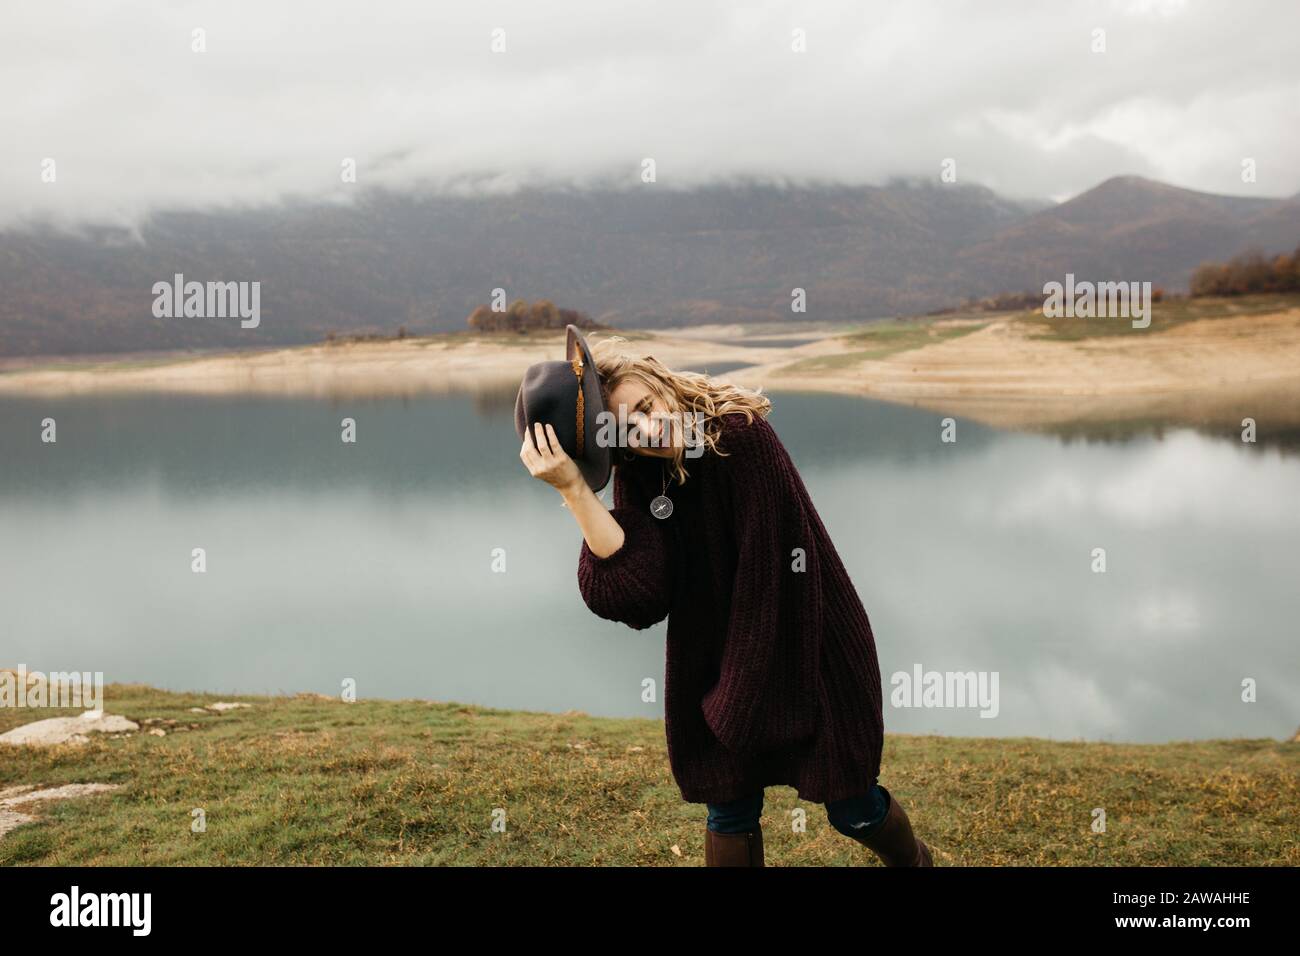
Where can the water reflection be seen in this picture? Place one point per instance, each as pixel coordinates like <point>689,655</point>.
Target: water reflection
<point>373,561</point>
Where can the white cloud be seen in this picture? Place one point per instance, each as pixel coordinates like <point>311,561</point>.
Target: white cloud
<point>1167,615</point>
<point>136,121</point>
<point>1182,479</point>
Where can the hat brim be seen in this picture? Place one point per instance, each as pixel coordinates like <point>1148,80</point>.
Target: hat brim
<point>597,460</point>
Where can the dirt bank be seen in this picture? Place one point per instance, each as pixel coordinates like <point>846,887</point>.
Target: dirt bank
<point>1001,369</point>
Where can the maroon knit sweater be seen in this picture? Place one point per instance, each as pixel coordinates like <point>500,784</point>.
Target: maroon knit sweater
<point>771,674</point>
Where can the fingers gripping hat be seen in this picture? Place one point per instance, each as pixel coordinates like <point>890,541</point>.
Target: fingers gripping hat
<point>566,395</point>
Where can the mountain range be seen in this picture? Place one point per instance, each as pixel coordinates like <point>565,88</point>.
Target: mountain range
<point>647,257</point>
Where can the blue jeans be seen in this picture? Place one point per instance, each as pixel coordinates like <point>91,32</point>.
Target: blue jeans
<point>852,816</point>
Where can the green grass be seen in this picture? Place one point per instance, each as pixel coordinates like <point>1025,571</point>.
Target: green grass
<point>880,340</point>
<point>466,336</point>
<point>306,780</point>
<point>462,337</point>
<point>527,337</point>
<point>114,365</point>
<point>1165,315</point>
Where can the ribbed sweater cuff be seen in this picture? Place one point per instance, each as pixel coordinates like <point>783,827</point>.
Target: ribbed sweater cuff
<point>611,562</point>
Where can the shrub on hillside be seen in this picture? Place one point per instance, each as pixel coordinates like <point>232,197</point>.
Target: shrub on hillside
<point>520,316</point>
<point>1252,272</point>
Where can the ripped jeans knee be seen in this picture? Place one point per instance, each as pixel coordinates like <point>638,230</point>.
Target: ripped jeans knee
<point>857,817</point>
<point>853,816</point>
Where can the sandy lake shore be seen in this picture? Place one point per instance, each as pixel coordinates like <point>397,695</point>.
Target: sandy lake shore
<point>999,369</point>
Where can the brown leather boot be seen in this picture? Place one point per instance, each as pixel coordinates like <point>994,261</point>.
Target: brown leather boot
<point>733,849</point>
<point>894,842</point>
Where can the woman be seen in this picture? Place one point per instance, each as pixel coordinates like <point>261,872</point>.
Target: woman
<point>771,675</point>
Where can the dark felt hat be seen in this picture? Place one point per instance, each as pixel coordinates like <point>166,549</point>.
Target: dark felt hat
<point>566,395</point>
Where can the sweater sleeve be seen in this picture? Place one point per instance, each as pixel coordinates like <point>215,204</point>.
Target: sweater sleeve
<point>633,585</point>
<point>768,690</point>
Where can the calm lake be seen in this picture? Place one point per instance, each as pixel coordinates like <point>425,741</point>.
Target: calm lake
<point>373,561</point>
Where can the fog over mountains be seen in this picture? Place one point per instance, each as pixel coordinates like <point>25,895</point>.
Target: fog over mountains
<point>646,257</point>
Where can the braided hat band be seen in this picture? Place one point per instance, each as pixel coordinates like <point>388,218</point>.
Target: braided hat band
<point>577,370</point>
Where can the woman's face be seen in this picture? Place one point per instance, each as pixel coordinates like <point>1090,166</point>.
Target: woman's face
<point>650,426</point>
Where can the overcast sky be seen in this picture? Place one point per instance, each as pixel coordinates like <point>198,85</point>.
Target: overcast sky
<point>135,120</point>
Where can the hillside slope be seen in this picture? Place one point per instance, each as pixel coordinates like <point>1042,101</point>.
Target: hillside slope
<point>647,257</point>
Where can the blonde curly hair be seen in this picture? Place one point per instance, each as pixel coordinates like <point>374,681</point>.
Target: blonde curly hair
<point>681,392</point>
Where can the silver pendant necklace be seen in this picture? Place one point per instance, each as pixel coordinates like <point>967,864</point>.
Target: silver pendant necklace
<point>662,506</point>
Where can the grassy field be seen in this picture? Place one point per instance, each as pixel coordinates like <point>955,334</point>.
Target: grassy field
<point>309,780</point>
<point>1167,314</point>
<point>884,338</point>
<point>880,339</point>
<point>14,366</point>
